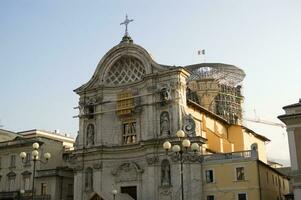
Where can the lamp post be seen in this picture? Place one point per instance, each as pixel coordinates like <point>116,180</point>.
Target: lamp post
<point>34,158</point>
<point>114,192</point>
<point>179,150</point>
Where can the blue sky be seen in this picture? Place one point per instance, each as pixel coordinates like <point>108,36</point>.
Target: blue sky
<point>48,48</point>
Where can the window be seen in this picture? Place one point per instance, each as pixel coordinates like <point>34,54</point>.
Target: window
<point>89,111</point>
<point>240,173</point>
<point>209,176</point>
<point>13,161</point>
<point>242,196</point>
<point>43,188</point>
<point>210,197</point>
<point>129,133</point>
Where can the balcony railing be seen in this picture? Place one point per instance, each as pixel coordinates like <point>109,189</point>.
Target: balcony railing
<point>37,197</point>
<point>251,154</point>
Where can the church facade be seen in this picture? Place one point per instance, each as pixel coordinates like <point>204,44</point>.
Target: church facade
<point>132,105</point>
<point>127,110</point>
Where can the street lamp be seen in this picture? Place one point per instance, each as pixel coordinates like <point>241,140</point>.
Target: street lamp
<point>114,192</point>
<point>35,158</point>
<point>179,149</point>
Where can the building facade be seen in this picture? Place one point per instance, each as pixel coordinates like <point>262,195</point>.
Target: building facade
<point>53,181</point>
<point>292,119</point>
<point>132,104</point>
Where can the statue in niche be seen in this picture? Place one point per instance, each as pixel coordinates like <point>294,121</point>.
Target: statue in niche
<point>189,126</point>
<point>90,134</point>
<point>164,95</point>
<point>165,173</point>
<point>164,123</point>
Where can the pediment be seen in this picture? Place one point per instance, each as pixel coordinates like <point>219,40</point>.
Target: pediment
<point>123,64</point>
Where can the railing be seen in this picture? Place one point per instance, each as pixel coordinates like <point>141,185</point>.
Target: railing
<point>251,154</point>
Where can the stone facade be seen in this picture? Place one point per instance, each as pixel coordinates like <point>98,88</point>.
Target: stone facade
<point>133,105</point>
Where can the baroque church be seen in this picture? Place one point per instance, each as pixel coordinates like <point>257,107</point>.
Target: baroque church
<point>132,105</point>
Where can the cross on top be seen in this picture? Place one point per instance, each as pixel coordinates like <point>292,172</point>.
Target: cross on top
<point>126,22</point>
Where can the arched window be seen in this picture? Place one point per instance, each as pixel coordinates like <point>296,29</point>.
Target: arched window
<point>90,134</point>
<point>165,173</point>
<point>89,179</point>
<point>125,70</point>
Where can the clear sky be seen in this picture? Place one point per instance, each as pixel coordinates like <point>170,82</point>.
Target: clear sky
<point>50,47</point>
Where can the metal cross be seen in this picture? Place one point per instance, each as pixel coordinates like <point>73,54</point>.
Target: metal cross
<point>126,22</point>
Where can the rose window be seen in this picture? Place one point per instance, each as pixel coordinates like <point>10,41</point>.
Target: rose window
<point>125,70</point>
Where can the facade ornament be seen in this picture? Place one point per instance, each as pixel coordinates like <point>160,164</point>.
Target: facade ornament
<point>189,126</point>
<point>152,160</point>
<point>164,124</point>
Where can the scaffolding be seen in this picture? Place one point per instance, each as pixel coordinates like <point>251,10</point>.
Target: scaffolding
<point>219,89</point>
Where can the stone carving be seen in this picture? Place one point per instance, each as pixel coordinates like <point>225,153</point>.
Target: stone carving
<point>129,171</point>
<point>164,95</point>
<point>164,124</point>
<point>152,160</point>
<point>90,135</point>
<point>97,165</point>
<point>189,126</point>
<point>165,173</point>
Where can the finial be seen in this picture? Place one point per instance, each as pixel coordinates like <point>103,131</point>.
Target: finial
<point>126,23</point>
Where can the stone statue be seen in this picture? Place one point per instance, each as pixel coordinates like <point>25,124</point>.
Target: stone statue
<point>164,95</point>
<point>90,134</point>
<point>164,123</point>
<point>165,173</point>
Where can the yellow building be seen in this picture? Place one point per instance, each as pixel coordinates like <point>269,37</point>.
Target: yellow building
<point>241,176</point>
<point>223,137</point>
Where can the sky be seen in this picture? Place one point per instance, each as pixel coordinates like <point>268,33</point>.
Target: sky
<point>49,48</point>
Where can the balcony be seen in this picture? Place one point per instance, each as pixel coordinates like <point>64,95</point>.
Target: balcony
<point>238,155</point>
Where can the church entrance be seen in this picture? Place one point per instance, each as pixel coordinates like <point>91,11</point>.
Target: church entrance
<point>96,197</point>
<point>130,190</point>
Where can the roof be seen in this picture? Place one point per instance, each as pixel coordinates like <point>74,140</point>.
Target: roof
<point>256,134</point>
<point>207,111</point>
<point>293,105</point>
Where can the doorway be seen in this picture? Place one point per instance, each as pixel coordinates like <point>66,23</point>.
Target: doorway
<point>130,190</point>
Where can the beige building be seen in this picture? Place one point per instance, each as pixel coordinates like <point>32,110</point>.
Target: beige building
<point>292,119</point>
<point>53,181</point>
